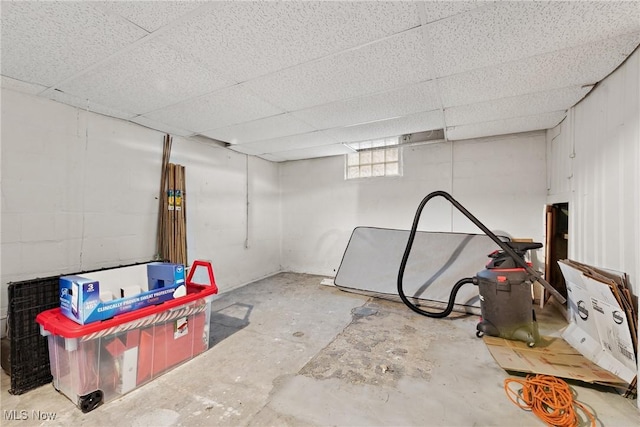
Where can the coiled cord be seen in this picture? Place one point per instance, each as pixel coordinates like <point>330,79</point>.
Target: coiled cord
<point>549,398</point>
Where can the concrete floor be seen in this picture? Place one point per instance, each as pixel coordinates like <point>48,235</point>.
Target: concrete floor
<point>287,350</point>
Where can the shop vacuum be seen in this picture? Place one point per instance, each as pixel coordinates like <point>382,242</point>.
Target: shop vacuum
<point>504,285</point>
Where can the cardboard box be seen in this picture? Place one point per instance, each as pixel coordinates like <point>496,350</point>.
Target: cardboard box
<point>598,328</point>
<point>102,295</point>
<point>160,274</point>
<point>550,356</point>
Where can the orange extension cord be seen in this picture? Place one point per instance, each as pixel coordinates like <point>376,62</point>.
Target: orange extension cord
<point>549,398</point>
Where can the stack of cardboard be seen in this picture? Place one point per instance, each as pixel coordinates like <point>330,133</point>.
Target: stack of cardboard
<point>603,319</point>
<point>600,343</point>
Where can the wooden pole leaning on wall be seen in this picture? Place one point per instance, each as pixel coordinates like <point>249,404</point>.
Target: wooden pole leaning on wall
<point>181,235</point>
<point>184,215</point>
<point>171,239</point>
<point>176,229</point>
<point>161,244</point>
<point>171,214</point>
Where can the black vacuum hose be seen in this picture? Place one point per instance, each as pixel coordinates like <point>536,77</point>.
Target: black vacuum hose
<point>506,248</point>
<point>403,265</point>
<point>447,310</point>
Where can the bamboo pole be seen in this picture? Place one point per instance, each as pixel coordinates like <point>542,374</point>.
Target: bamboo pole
<point>179,256</point>
<point>170,230</point>
<point>172,227</point>
<point>184,216</point>
<point>162,199</point>
<point>179,215</point>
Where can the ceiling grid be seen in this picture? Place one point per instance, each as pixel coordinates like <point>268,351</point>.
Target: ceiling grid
<point>294,80</point>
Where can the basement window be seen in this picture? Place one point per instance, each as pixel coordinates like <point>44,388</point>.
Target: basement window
<point>381,157</point>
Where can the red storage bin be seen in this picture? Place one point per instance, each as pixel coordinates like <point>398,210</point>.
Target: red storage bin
<point>95,363</point>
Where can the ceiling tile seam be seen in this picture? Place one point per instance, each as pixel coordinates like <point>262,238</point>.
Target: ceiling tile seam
<point>521,96</point>
<point>510,118</point>
<point>303,121</point>
<point>543,54</point>
<point>368,95</point>
<point>275,153</point>
<point>286,113</point>
<point>555,88</point>
<point>336,53</point>
<point>194,59</point>
<point>429,52</point>
<point>244,82</point>
<point>424,20</point>
<point>317,60</point>
<point>328,137</point>
<point>159,124</point>
<point>293,112</point>
<point>184,134</point>
<point>442,109</point>
<point>422,13</point>
<point>142,40</point>
<point>594,85</point>
<point>335,127</point>
<point>27,83</point>
<point>204,95</point>
<point>498,138</point>
<point>107,11</point>
<point>94,107</point>
<point>502,119</point>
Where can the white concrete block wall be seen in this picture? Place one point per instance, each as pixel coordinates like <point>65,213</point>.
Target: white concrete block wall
<point>216,203</point>
<point>598,173</point>
<point>500,180</point>
<point>80,192</point>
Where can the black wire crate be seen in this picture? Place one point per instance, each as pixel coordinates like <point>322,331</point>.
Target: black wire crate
<point>29,361</point>
<point>29,350</point>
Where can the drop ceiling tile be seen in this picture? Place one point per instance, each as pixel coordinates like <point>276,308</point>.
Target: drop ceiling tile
<point>83,104</point>
<point>314,152</point>
<point>20,86</point>
<point>225,107</point>
<point>271,158</point>
<point>509,31</point>
<point>506,126</point>
<point>394,103</point>
<point>250,39</point>
<point>286,143</point>
<point>516,106</point>
<point>437,10</point>
<point>583,65</point>
<point>162,127</point>
<point>245,149</point>
<point>145,78</point>
<point>150,15</point>
<point>390,63</point>
<point>46,42</point>
<point>267,128</point>
<point>392,127</point>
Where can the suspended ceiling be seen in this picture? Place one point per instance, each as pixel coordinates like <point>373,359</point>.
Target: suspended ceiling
<point>294,80</point>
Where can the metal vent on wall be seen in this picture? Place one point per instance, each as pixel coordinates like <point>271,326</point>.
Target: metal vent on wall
<point>426,137</point>
<point>416,138</point>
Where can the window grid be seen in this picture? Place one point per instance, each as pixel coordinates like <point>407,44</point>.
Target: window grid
<point>377,161</point>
